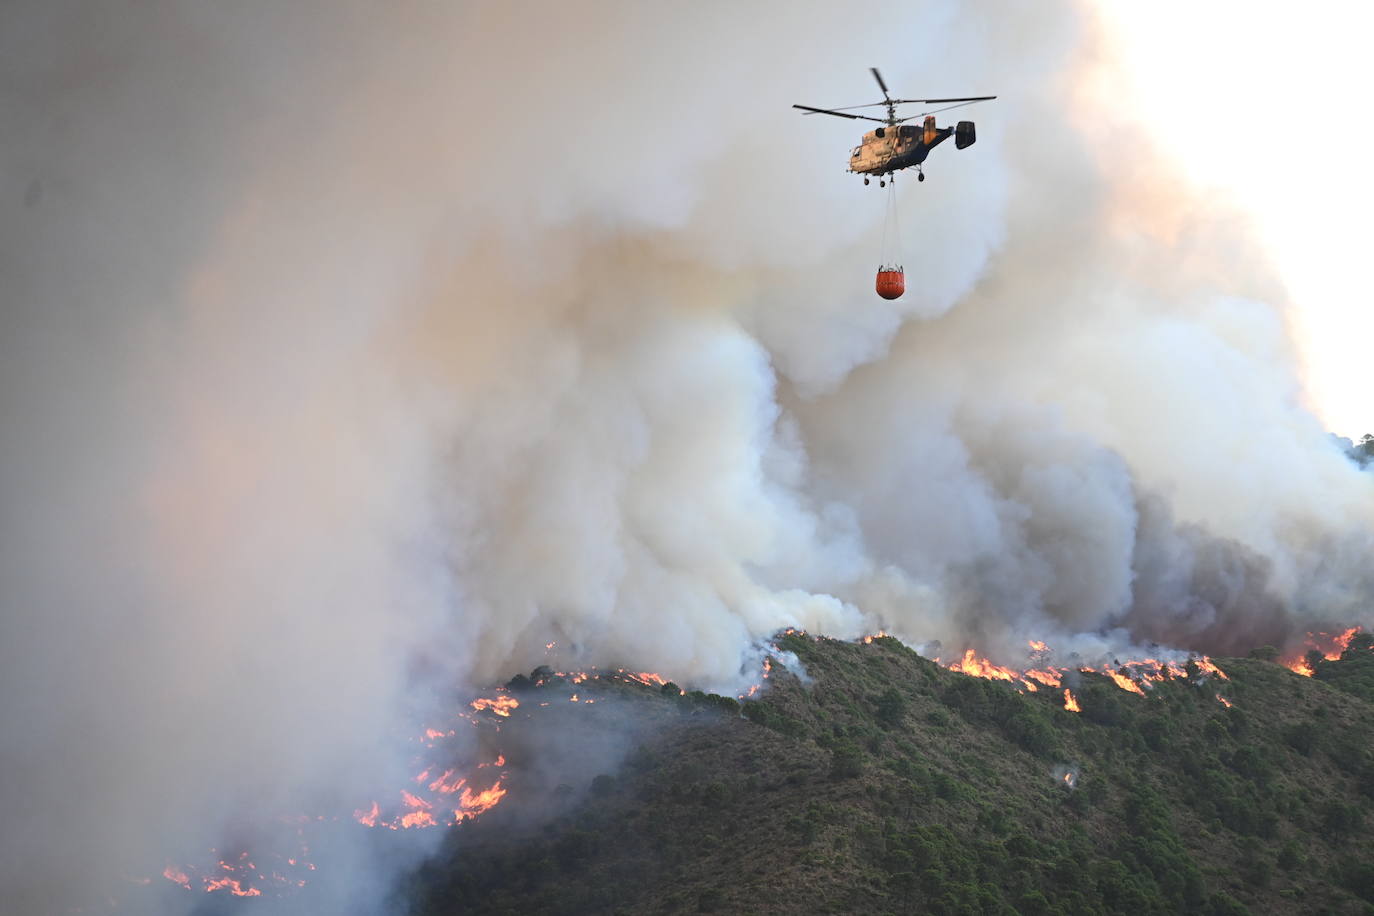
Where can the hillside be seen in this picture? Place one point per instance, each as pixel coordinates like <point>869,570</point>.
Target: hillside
<point>880,782</point>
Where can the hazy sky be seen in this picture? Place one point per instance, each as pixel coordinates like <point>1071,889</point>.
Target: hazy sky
<point>1265,107</point>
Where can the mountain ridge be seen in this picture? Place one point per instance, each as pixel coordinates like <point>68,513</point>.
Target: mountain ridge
<point>870,779</point>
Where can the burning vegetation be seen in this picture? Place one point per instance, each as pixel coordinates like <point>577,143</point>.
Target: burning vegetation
<point>1318,647</point>
<point>1133,676</point>
<point>451,789</point>
<point>887,781</point>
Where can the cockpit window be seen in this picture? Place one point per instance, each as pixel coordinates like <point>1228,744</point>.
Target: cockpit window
<point>855,153</point>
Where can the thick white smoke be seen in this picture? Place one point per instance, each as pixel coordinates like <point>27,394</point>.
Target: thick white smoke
<point>352,352</point>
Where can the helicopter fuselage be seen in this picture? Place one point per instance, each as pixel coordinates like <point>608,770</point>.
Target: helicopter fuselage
<point>896,145</point>
<point>890,149</point>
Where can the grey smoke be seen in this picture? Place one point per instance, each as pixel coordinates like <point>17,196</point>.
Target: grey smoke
<point>353,352</point>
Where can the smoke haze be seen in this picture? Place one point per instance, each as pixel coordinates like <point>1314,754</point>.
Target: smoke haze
<point>351,353</point>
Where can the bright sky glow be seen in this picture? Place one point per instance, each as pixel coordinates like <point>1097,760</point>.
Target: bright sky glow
<point>1268,103</point>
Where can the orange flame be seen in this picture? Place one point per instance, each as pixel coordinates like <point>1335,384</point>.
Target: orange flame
<point>1049,678</point>
<point>646,678</point>
<point>417,819</point>
<point>1343,642</point>
<point>475,803</point>
<point>1298,666</point>
<point>1206,665</point>
<point>1225,702</point>
<point>419,816</point>
<point>1070,703</point>
<point>442,784</point>
<point>421,812</point>
<point>1330,646</point>
<point>367,818</point>
<point>501,705</point>
<point>233,886</point>
<point>981,667</point>
<point>1132,675</point>
<point>1124,682</point>
<point>1152,669</point>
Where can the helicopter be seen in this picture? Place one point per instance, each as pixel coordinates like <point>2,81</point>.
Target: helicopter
<point>896,145</point>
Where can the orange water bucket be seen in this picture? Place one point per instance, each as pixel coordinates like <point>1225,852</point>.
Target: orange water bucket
<point>891,282</point>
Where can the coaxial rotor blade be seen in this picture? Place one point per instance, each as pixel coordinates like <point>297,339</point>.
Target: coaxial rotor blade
<point>839,114</point>
<point>944,108</point>
<point>852,107</point>
<point>975,98</point>
<point>879,77</point>
<point>968,101</point>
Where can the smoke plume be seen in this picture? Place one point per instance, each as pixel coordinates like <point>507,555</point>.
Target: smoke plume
<point>354,352</point>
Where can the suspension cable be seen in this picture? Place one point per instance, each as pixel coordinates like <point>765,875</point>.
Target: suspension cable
<point>891,251</point>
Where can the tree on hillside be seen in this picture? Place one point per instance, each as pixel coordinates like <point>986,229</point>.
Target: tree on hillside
<point>1363,453</point>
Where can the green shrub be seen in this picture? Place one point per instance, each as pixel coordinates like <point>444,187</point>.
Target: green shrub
<point>1034,903</point>
<point>890,708</point>
<point>1157,732</point>
<point>1341,818</point>
<point>710,900</point>
<point>1358,876</point>
<point>715,794</point>
<point>767,715</point>
<point>1033,733</point>
<point>1290,856</point>
<point>1223,904</point>
<point>1251,762</point>
<point>1301,737</point>
<point>1102,706</point>
<point>846,760</point>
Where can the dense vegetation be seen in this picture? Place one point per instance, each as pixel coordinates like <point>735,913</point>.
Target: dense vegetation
<point>1353,672</point>
<point>879,782</point>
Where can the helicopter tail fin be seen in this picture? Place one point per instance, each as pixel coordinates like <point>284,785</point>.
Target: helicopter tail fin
<point>964,135</point>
